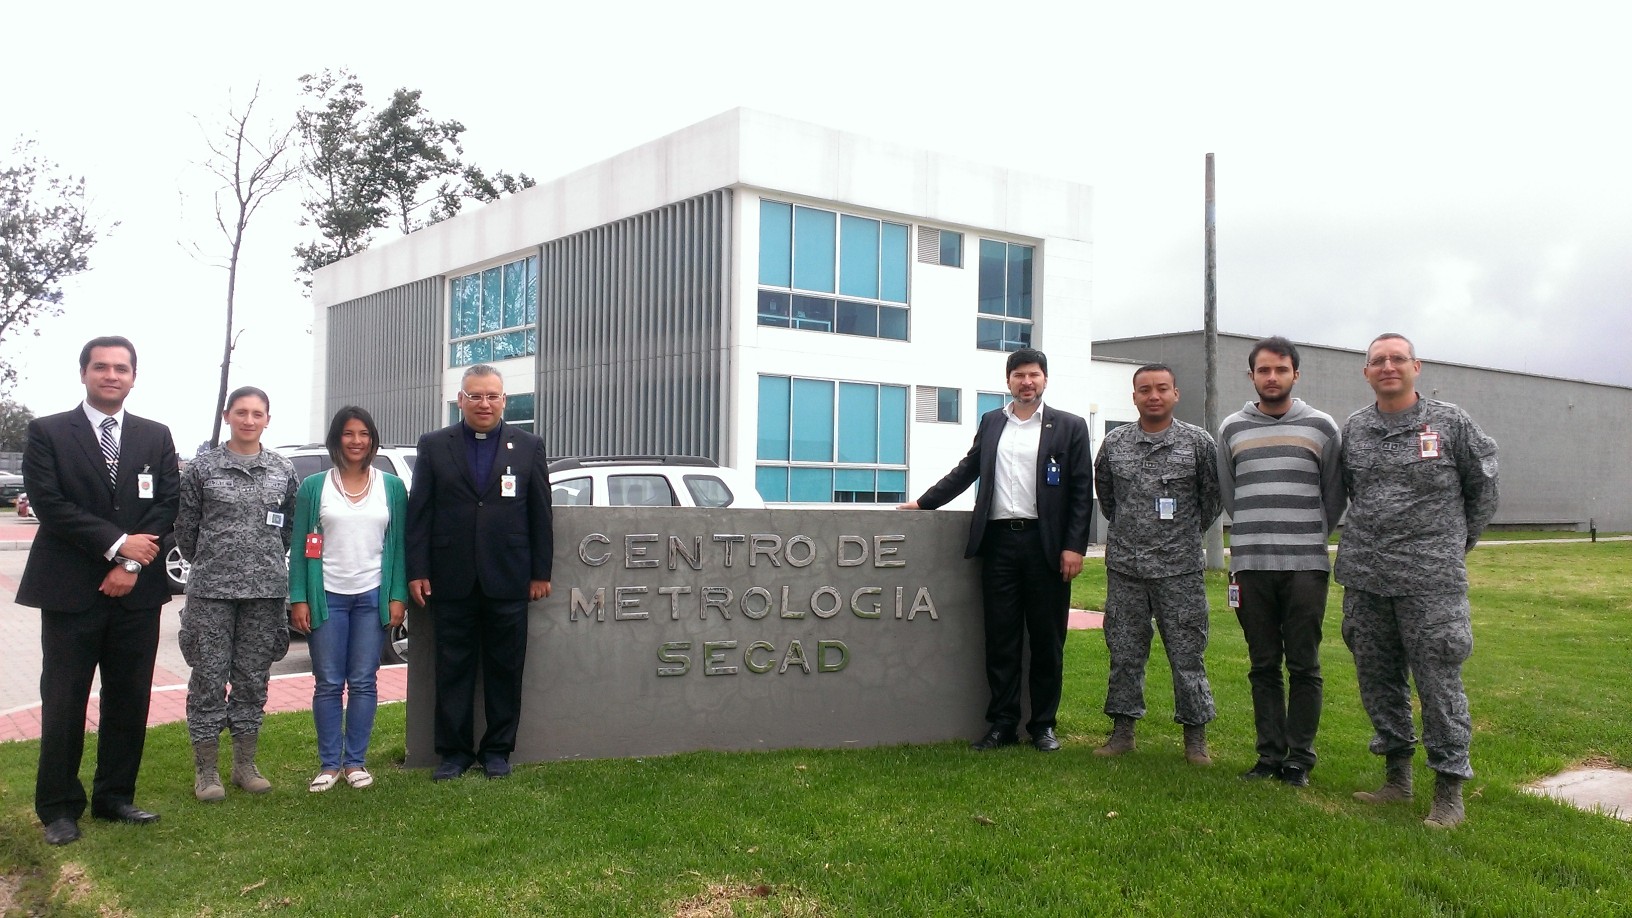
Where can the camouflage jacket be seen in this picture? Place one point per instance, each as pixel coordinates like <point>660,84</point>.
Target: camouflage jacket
<point>1413,517</point>
<point>234,524</point>
<point>1134,471</point>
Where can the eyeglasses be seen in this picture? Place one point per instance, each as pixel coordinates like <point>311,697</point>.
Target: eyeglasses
<point>482,397</point>
<point>1392,360</point>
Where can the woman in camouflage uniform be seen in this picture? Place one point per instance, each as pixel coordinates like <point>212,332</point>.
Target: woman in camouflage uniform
<point>237,507</point>
<point>347,585</point>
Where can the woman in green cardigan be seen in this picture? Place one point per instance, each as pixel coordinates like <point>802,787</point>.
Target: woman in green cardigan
<point>347,585</point>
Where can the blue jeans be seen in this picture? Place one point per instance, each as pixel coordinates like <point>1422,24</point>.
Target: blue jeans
<point>346,654</point>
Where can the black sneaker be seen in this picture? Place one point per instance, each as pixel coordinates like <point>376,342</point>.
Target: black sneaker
<point>1261,771</point>
<point>1294,776</point>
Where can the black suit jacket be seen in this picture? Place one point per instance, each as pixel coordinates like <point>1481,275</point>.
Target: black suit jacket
<point>1065,512</point>
<point>80,516</point>
<point>462,532</point>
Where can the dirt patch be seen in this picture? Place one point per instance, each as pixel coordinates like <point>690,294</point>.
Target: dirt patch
<point>8,892</point>
<point>719,900</point>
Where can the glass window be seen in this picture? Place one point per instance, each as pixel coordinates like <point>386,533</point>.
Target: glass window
<point>771,481</point>
<point>807,485</point>
<point>993,277</point>
<point>773,418</point>
<point>948,405</point>
<point>493,313</point>
<point>573,492</point>
<point>519,410</point>
<point>990,401</point>
<point>806,251</point>
<point>813,249</point>
<point>892,425</point>
<point>1005,292</point>
<point>708,491</point>
<point>813,407</point>
<point>639,491</point>
<point>858,423</point>
<point>775,243</point>
<point>858,258</point>
<point>892,486</point>
<point>951,249</point>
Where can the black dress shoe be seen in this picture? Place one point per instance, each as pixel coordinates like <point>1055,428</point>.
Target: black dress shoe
<point>1045,740</point>
<point>1294,776</point>
<point>125,812</point>
<point>61,831</point>
<point>448,769</point>
<point>996,738</point>
<point>1261,771</point>
<point>496,766</point>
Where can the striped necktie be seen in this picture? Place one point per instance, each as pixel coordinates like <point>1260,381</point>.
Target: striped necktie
<point>110,451</point>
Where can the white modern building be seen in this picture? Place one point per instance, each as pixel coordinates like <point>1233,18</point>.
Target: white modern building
<point>828,310</point>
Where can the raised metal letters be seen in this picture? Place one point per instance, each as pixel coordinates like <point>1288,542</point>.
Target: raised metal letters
<point>583,549</point>
<point>634,550</point>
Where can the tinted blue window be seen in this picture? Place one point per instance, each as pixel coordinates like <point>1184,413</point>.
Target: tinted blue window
<point>948,405</point>
<point>812,420</point>
<point>892,485</point>
<point>773,418</point>
<point>989,334</point>
<point>993,277</point>
<point>773,308</point>
<point>519,407</point>
<point>858,257</point>
<point>775,243</point>
<point>810,485</point>
<point>893,263</point>
<point>951,248</point>
<point>771,482</point>
<point>467,308</point>
<point>857,319</point>
<point>813,312</point>
<point>515,294</point>
<point>853,485</point>
<point>892,425</point>
<point>858,423</point>
<point>492,299</point>
<point>987,401</point>
<point>532,290</point>
<point>892,323</point>
<point>814,251</point>
<point>1019,299</point>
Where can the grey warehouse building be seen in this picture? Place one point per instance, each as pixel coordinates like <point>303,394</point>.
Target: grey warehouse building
<point>1566,444</point>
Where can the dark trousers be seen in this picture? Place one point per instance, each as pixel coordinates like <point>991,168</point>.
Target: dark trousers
<point>1025,600</point>
<point>122,643</point>
<point>1281,614</point>
<point>493,633</point>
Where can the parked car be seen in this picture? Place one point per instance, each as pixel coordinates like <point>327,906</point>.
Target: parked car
<point>11,485</point>
<point>649,481</point>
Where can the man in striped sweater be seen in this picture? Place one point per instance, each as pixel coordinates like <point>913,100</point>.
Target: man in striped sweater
<point>1282,485</point>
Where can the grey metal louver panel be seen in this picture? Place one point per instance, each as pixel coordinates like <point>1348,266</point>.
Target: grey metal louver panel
<point>384,354</point>
<point>633,328</point>
<point>929,245</point>
<point>927,404</point>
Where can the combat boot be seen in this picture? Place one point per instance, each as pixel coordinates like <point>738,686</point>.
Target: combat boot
<point>1195,745</point>
<point>244,772</point>
<point>1447,810</point>
<point>207,782</point>
<point>1396,784</point>
<point>1121,738</point>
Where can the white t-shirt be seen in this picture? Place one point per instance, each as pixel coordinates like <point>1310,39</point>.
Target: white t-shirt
<point>353,536</point>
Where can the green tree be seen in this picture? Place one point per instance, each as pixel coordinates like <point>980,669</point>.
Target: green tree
<point>365,170</point>
<point>14,420</point>
<point>46,235</point>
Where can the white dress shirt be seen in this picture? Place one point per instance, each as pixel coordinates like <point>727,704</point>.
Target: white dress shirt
<point>95,418</point>
<point>1015,491</point>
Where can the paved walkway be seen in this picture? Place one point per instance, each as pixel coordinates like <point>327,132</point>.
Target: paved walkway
<point>291,692</point>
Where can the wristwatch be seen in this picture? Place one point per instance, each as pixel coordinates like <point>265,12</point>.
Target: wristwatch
<point>131,565</point>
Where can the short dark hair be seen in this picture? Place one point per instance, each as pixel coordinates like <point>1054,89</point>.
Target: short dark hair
<point>246,392</point>
<point>1024,356</point>
<point>1275,344</point>
<point>106,341</point>
<point>337,428</point>
<point>1410,348</point>
<point>1155,368</point>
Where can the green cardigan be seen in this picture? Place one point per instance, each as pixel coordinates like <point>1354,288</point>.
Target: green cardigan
<point>306,574</point>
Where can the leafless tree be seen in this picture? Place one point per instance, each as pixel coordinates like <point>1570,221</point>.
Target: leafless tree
<point>253,162</point>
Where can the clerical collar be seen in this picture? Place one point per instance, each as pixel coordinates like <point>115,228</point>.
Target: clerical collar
<point>479,435</point>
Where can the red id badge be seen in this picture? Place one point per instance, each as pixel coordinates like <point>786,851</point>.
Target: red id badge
<point>314,545</point>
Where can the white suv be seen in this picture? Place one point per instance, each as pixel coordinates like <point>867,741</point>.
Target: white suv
<point>649,481</point>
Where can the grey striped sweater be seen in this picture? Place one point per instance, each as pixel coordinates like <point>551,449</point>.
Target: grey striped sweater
<point>1283,487</point>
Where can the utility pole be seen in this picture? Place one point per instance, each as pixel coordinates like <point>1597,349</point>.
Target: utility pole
<point>1215,535</point>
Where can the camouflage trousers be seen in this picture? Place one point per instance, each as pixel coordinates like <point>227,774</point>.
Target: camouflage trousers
<point>1178,605</point>
<point>230,642</point>
<point>1397,639</point>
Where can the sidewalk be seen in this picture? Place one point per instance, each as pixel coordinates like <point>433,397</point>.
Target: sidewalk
<point>291,692</point>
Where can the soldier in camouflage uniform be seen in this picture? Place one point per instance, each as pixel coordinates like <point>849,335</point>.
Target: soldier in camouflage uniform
<point>1421,480</point>
<point>1157,482</point>
<point>237,506</point>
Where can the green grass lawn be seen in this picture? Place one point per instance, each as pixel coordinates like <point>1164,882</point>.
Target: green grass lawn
<point>931,830</point>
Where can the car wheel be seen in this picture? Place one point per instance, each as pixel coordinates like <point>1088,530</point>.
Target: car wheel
<point>396,644</point>
<point>176,569</point>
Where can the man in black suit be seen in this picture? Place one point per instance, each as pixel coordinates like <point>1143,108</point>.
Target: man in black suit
<point>1032,524</point>
<point>104,484</point>
<point>479,540</point>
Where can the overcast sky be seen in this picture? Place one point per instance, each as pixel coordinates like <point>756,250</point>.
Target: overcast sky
<point>1450,171</point>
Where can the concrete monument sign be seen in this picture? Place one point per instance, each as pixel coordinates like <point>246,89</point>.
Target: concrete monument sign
<point>671,630</point>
